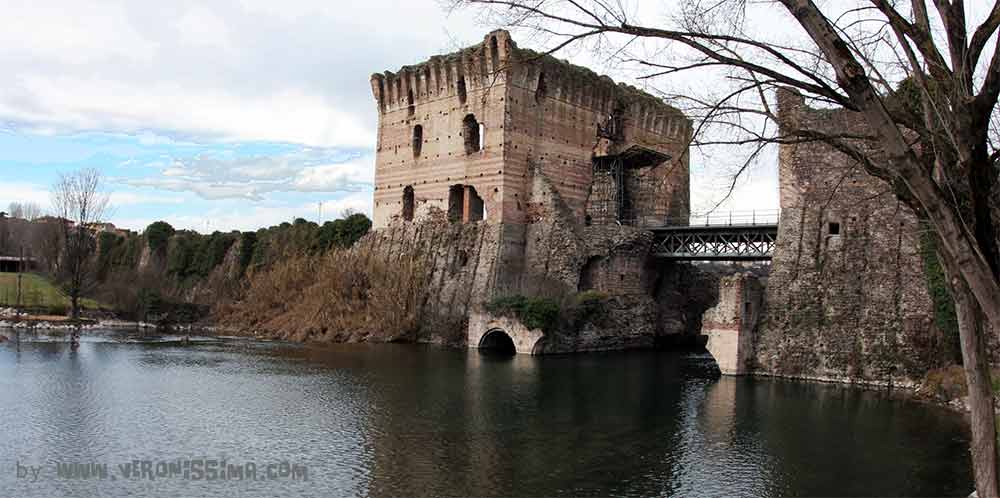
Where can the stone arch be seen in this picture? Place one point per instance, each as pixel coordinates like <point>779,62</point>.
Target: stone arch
<point>483,326</point>
<point>497,341</point>
<point>408,203</point>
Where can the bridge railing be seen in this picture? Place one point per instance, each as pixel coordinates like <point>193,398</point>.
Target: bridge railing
<point>727,218</point>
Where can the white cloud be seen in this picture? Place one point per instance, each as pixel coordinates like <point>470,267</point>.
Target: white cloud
<point>292,71</point>
<point>250,178</point>
<point>333,177</point>
<point>23,192</point>
<point>119,199</point>
<point>54,103</point>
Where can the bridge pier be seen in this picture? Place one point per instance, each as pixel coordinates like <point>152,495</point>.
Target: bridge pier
<point>731,324</point>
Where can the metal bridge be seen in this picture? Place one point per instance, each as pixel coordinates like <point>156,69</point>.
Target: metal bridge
<point>735,236</point>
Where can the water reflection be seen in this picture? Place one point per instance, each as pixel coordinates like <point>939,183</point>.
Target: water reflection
<point>410,420</point>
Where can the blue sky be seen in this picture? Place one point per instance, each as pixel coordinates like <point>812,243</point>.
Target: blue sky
<point>228,114</point>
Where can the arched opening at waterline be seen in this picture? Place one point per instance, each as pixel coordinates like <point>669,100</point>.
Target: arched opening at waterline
<point>497,341</point>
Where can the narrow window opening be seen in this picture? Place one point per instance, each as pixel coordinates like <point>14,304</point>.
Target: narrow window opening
<point>494,54</point>
<point>418,140</point>
<point>470,132</point>
<point>482,136</point>
<point>408,203</point>
<point>541,89</point>
<point>409,102</point>
<point>461,90</point>
<point>834,228</point>
<point>456,197</point>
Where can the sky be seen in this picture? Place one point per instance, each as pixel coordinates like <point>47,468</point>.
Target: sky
<point>223,115</point>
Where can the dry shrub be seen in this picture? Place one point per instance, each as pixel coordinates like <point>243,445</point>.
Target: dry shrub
<point>949,383</point>
<point>344,295</point>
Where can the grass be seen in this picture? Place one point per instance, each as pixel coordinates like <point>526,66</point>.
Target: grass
<point>37,292</point>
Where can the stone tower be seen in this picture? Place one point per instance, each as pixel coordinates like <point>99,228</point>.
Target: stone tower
<point>465,135</point>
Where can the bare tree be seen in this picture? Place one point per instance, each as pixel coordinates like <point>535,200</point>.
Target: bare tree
<point>31,211</point>
<point>24,210</point>
<point>15,210</point>
<point>79,201</point>
<point>924,76</point>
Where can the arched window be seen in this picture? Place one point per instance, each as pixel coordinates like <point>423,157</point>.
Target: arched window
<point>418,140</point>
<point>461,90</point>
<point>408,203</point>
<point>470,131</point>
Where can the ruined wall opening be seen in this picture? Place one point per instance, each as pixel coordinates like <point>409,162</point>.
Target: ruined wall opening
<point>410,108</point>
<point>833,228</point>
<point>494,54</point>
<point>470,131</point>
<point>588,274</point>
<point>456,195</point>
<point>408,203</point>
<point>418,140</point>
<point>461,90</point>
<point>475,208</point>
<point>464,204</point>
<point>541,89</point>
<point>498,342</point>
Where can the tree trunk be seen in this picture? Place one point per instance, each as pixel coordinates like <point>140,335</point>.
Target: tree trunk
<point>982,418</point>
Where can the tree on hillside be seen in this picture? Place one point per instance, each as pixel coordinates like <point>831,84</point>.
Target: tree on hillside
<point>79,200</point>
<point>158,234</point>
<point>937,146</point>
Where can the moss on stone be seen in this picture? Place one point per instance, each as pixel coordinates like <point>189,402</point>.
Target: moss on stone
<point>945,318</point>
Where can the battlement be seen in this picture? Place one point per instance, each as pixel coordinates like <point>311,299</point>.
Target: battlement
<point>448,75</point>
<point>497,60</point>
<point>550,77</point>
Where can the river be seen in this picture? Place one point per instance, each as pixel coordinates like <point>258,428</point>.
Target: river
<point>398,420</point>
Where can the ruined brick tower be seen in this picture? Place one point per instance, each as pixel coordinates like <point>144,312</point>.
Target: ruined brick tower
<point>467,134</point>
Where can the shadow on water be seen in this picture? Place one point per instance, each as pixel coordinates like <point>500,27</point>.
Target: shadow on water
<point>497,343</point>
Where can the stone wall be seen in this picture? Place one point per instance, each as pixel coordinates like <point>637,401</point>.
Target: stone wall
<point>730,325</point>
<point>847,297</point>
<point>467,264</point>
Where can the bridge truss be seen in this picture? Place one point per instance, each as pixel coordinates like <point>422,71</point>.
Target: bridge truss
<point>751,242</point>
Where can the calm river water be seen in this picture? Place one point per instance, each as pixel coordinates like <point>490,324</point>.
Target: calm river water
<point>408,420</point>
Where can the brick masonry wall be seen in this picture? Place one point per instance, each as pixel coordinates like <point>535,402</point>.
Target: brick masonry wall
<point>537,113</point>
<point>847,297</point>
